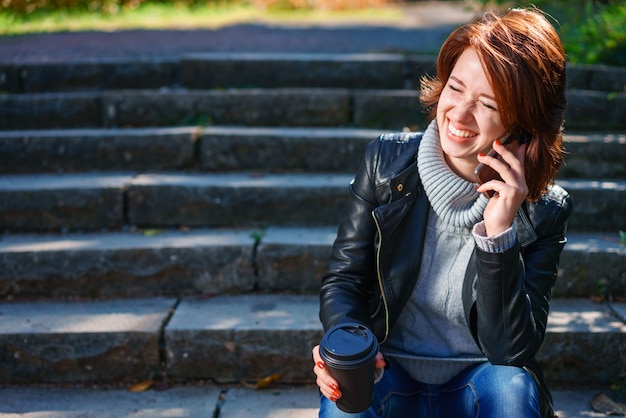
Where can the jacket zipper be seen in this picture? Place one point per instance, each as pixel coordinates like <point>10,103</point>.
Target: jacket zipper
<point>380,277</point>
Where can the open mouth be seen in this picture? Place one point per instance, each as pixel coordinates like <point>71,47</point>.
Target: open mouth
<point>460,133</point>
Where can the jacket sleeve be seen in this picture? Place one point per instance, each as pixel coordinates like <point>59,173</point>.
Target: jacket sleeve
<point>349,284</point>
<point>513,288</point>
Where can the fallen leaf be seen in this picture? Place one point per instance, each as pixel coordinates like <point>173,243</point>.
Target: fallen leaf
<point>141,386</point>
<point>267,380</point>
<point>597,299</point>
<point>602,403</point>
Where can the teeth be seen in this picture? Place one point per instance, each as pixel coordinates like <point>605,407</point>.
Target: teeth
<point>463,134</point>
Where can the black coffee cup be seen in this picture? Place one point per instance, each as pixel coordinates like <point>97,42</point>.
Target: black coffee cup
<point>349,352</point>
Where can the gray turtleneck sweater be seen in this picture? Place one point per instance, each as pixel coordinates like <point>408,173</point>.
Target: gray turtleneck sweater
<point>431,339</point>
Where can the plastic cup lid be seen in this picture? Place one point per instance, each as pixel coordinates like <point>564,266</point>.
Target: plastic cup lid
<point>346,342</point>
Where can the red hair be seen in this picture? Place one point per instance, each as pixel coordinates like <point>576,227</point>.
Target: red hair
<point>524,59</point>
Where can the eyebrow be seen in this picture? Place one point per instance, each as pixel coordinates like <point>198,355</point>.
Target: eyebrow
<point>457,80</point>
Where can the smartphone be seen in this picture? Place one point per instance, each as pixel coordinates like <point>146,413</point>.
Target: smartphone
<point>484,173</point>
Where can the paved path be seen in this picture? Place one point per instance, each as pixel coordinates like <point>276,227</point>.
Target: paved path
<point>203,401</point>
<point>422,29</point>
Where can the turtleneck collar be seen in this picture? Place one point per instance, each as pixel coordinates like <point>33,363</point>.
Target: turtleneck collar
<point>454,199</point>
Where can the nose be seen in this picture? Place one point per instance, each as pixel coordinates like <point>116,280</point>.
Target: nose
<point>463,111</point>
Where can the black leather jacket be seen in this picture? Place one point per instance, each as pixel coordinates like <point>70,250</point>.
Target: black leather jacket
<point>376,258</point>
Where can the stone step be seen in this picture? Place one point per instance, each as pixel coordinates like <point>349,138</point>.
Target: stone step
<point>236,69</point>
<point>219,149</point>
<point>297,107</point>
<point>208,400</point>
<point>86,150</point>
<point>114,341</point>
<point>228,261</point>
<point>233,338</point>
<point>91,201</point>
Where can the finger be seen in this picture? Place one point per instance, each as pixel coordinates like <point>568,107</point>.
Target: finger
<point>509,166</point>
<point>329,389</point>
<point>489,188</point>
<point>512,154</point>
<point>328,386</point>
<point>380,362</point>
<point>315,351</point>
<point>497,164</point>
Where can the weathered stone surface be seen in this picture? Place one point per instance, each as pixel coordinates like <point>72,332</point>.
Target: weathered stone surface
<point>114,341</point>
<point>224,70</point>
<point>619,310</point>
<point>578,76</point>
<point>97,150</point>
<point>598,205</point>
<point>63,201</point>
<point>592,265</point>
<point>99,74</point>
<point>608,78</point>
<point>106,265</point>
<point>594,156</point>
<point>595,111</point>
<point>230,339</point>
<point>236,199</point>
<point>293,402</point>
<point>85,401</point>
<point>50,110</point>
<point>123,265</point>
<point>294,259</point>
<point>583,339</point>
<point>284,149</point>
<point>388,109</point>
<point>203,400</point>
<point>421,66</point>
<point>244,338</point>
<point>9,78</point>
<point>596,77</point>
<point>246,148</point>
<point>278,107</point>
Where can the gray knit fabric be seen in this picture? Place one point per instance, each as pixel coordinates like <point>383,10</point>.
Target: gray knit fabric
<point>453,198</point>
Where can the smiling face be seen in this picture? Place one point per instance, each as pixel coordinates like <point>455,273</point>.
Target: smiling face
<point>467,115</point>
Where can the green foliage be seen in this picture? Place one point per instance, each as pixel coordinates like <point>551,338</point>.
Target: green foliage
<point>23,8</point>
<point>27,7</point>
<point>592,31</point>
<point>112,15</point>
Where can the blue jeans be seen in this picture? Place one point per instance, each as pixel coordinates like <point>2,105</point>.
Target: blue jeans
<point>481,391</point>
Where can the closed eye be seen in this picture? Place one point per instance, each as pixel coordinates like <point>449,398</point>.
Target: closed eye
<point>489,106</point>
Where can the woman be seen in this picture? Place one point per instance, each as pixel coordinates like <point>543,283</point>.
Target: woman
<point>456,285</point>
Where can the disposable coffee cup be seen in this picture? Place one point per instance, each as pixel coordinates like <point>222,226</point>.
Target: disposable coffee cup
<point>349,352</point>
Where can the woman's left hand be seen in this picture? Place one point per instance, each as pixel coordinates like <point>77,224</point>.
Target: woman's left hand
<point>510,192</point>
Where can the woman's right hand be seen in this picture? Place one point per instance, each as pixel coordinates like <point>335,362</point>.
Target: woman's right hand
<point>328,386</point>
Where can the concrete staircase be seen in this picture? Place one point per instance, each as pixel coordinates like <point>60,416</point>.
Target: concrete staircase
<point>170,219</point>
